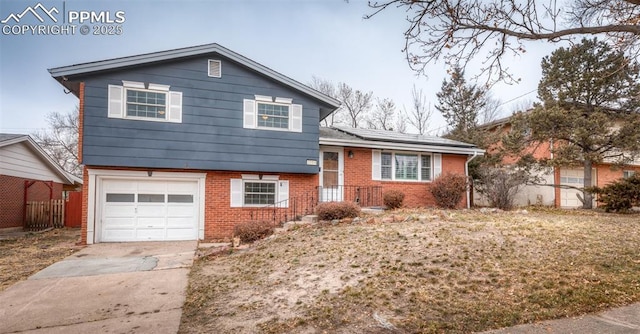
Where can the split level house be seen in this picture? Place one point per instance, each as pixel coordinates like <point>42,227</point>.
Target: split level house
<point>184,144</point>
<point>559,186</point>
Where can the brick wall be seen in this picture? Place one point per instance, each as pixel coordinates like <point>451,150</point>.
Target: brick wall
<point>220,217</point>
<point>12,198</point>
<point>357,172</point>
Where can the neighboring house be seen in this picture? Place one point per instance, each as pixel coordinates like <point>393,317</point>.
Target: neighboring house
<point>185,144</point>
<point>27,173</point>
<point>559,185</point>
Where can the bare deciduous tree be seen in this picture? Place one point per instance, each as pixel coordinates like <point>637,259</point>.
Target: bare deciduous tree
<point>492,109</point>
<point>382,117</point>
<point>401,122</point>
<point>60,141</point>
<point>355,103</point>
<point>458,31</point>
<point>326,87</point>
<point>420,112</point>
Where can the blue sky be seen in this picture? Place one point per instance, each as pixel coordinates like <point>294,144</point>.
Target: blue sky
<point>324,38</point>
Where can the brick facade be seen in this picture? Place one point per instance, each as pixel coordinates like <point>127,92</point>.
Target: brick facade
<point>12,198</point>
<point>220,217</point>
<point>357,172</point>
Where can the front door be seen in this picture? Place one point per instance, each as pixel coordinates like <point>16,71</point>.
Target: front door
<point>331,174</point>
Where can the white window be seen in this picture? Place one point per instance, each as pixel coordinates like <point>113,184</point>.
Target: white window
<point>266,113</point>
<point>628,173</point>
<point>140,101</point>
<point>271,115</point>
<point>259,192</point>
<point>253,191</point>
<point>404,166</point>
<point>145,103</point>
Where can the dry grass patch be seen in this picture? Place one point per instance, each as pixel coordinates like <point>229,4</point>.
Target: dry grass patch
<point>457,271</point>
<point>23,256</point>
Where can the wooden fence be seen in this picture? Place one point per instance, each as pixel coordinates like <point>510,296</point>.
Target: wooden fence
<point>45,214</point>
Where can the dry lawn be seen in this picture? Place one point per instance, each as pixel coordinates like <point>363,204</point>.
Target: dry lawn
<point>430,272</point>
<point>23,256</point>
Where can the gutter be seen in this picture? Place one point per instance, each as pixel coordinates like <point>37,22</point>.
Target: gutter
<point>379,145</point>
<point>466,173</point>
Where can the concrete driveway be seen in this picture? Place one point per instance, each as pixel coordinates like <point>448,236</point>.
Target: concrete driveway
<point>104,288</point>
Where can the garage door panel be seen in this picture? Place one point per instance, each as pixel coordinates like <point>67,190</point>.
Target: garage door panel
<point>181,234</point>
<point>149,234</point>
<point>112,210</point>
<point>119,186</point>
<point>120,222</point>
<point>152,187</point>
<point>153,210</point>
<point>150,210</point>
<point>119,235</point>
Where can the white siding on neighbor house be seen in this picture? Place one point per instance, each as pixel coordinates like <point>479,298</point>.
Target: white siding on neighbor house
<point>20,161</point>
<point>573,178</point>
<point>528,194</point>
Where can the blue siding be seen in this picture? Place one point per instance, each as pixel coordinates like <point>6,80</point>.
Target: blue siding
<point>211,136</point>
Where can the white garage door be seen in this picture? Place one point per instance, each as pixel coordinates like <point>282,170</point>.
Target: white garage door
<point>140,210</point>
<point>573,178</point>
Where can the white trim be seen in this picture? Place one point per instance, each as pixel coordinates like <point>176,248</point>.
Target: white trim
<point>133,84</point>
<point>393,166</point>
<point>284,100</point>
<point>400,146</point>
<point>257,177</point>
<point>340,151</point>
<point>263,98</point>
<point>164,88</point>
<point>97,176</point>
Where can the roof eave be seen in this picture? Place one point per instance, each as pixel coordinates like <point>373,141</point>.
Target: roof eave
<point>401,146</point>
<point>61,73</point>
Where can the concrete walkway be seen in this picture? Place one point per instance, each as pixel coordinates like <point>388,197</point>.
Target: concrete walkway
<point>615,321</point>
<point>104,288</point>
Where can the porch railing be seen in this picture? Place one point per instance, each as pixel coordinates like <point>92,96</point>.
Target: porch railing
<point>291,209</point>
<point>297,207</point>
<point>364,196</point>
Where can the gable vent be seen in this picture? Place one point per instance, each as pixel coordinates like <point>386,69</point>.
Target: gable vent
<point>215,68</point>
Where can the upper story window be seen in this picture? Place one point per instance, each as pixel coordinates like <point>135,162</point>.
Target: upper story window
<point>144,101</point>
<point>403,166</point>
<point>146,104</point>
<point>267,113</point>
<point>628,173</point>
<point>273,115</point>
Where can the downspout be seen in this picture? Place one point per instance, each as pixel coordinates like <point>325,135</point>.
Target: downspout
<point>466,173</point>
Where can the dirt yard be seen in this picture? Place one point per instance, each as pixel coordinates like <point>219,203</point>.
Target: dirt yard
<point>23,256</point>
<point>427,271</point>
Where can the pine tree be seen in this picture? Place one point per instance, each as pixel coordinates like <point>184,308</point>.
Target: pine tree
<point>460,104</point>
<point>591,97</point>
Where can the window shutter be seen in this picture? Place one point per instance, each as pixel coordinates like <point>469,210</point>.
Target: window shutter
<point>115,107</point>
<point>376,166</point>
<point>296,117</point>
<point>283,194</point>
<point>175,107</point>
<point>437,165</point>
<point>236,193</point>
<point>249,114</point>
